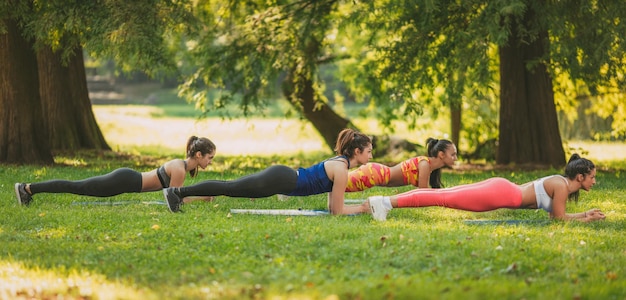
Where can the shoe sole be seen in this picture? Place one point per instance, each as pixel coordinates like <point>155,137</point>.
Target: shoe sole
<point>167,201</point>
<point>17,194</point>
<point>373,212</point>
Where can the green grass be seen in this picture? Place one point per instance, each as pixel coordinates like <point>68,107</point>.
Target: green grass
<point>65,246</point>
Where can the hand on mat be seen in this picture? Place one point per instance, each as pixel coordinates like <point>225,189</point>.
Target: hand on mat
<point>595,215</point>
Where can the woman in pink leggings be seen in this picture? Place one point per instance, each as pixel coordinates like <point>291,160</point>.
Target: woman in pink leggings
<point>548,193</point>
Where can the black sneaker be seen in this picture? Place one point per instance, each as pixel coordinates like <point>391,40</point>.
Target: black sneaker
<point>173,201</point>
<point>23,197</point>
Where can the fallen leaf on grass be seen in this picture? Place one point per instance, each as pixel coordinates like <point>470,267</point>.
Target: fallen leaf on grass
<point>510,269</point>
<point>611,275</point>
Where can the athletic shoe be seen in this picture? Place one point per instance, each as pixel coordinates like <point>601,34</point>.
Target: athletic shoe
<point>379,211</point>
<point>173,201</point>
<point>23,197</point>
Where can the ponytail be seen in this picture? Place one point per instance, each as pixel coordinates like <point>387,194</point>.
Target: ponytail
<point>577,165</point>
<point>433,147</point>
<point>203,145</point>
<point>350,139</point>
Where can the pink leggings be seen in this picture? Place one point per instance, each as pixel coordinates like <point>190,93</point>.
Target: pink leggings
<point>486,195</point>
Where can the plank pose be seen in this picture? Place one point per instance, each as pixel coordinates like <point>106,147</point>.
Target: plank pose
<point>331,175</point>
<point>200,153</point>
<point>548,193</point>
<point>418,171</point>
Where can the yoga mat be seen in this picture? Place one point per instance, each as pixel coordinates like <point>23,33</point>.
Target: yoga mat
<point>504,222</point>
<point>353,201</point>
<point>281,212</point>
<point>346,201</point>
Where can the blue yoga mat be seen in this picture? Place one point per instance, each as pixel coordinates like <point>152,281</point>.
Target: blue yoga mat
<point>504,222</point>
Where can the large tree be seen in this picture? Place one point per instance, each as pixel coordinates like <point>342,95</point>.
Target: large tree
<point>408,55</point>
<point>23,138</point>
<point>528,120</point>
<point>426,45</point>
<point>247,46</point>
<point>68,114</point>
<point>134,33</point>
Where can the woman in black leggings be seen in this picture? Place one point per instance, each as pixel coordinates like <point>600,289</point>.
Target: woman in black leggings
<point>329,176</point>
<point>200,153</point>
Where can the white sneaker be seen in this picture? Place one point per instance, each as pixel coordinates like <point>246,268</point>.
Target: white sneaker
<point>379,211</point>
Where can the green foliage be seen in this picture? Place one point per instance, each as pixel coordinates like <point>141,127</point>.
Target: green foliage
<point>246,46</point>
<point>133,33</point>
<point>424,54</point>
<point>588,41</point>
<point>397,58</point>
<point>69,246</point>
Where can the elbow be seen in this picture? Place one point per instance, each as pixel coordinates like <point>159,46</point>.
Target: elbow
<point>335,211</point>
<point>338,211</point>
<point>559,217</point>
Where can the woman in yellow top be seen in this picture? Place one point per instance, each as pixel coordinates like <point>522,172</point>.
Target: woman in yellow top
<point>420,171</point>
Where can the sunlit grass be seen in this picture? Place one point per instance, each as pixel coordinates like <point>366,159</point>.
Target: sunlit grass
<point>22,282</point>
<point>131,247</point>
<point>71,246</point>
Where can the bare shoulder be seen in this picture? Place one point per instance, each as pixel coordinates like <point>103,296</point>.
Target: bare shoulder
<point>336,162</point>
<point>175,164</point>
<point>424,163</point>
<point>556,182</point>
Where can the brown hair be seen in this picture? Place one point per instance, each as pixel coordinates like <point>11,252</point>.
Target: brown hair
<point>350,139</point>
<point>433,147</point>
<point>195,144</point>
<point>577,165</point>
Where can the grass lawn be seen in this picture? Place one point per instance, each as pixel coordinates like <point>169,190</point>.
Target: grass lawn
<point>130,247</point>
<point>69,246</point>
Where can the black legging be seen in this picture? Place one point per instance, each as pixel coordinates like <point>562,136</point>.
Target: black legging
<point>120,181</point>
<point>274,180</point>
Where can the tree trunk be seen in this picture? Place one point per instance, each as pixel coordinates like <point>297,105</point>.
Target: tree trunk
<point>327,123</point>
<point>23,136</point>
<point>69,116</point>
<point>529,130</point>
<point>299,90</point>
<point>455,122</point>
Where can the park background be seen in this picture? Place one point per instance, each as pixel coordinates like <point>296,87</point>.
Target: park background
<point>540,80</point>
